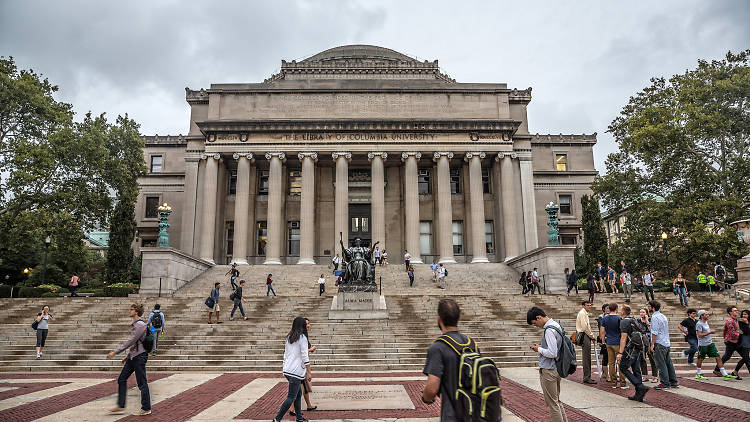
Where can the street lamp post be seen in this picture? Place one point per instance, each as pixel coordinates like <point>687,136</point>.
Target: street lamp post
<point>664,237</point>
<point>164,211</point>
<point>47,241</point>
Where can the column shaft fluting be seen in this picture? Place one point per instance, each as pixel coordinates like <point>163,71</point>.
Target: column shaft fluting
<point>241,209</point>
<point>341,205</point>
<point>476,197</point>
<point>378,197</point>
<point>509,207</point>
<point>307,209</point>
<point>445,209</point>
<point>187,243</point>
<point>275,220</point>
<point>208,232</point>
<point>529,203</point>
<point>411,205</point>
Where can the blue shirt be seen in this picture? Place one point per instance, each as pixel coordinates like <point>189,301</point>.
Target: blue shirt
<point>660,328</point>
<point>611,324</point>
<point>151,316</point>
<point>611,275</point>
<point>433,267</point>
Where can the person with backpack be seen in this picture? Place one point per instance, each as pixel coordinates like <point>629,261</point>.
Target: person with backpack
<point>522,282</point>
<point>602,344</point>
<point>610,334</point>
<point>296,368</point>
<point>135,361</point>
<point>633,340</point>
<point>215,297</point>
<point>155,323</point>
<point>719,272</point>
<point>551,357</point>
<point>42,329</point>
<point>660,347</point>
<point>444,358</point>
<point>643,313</point>
<point>235,274</point>
<point>442,273</point>
<point>706,347</point>
<point>237,299</point>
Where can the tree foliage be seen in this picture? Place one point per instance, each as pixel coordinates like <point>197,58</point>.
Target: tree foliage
<point>685,140</point>
<point>594,237</point>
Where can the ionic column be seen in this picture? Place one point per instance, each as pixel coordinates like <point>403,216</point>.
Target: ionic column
<point>411,205</point>
<point>341,205</point>
<point>241,207</point>
<point>188,214</point>
<point>509,206</point>
<point>476,198</point>
<point>307,208</point>
<point>529,203</point>
<point>275,220</point>
<point>445,210</point>
<point>378,197</point>
<point>209,208</point>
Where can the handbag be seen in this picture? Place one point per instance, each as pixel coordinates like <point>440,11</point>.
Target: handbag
<point>308,386</point>
<point>35,324</point>
<point>210,302</point>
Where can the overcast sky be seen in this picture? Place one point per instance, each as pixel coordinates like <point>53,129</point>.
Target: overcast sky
<point>583,59</point>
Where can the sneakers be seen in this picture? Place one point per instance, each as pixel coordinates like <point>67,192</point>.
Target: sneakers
<point>701,377</point>
<point>692,364</point>
<point>38,355</point>
<point>736,375</point>
<point>717,373</point>
<point>661,387</point>
<point>142,412</point>
<point>625,387</point>
<point>117,410</point>
<point>729,377</point>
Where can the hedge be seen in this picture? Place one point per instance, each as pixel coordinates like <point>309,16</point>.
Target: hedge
<point>5,290</point>
<point>31,292</point>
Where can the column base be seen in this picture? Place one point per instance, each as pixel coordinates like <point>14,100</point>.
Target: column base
<point>240,262</point>
<point>450,260</point>
<point>416,261</point>
<point>272,261</point>
<point>209,260</point>
<point>479,260</point>
<point>305,261</point>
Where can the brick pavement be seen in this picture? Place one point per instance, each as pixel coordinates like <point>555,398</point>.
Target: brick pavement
<point>21,388</point>
<point>529,405</point>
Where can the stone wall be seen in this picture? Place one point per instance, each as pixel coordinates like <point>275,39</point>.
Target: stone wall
<point>169,268</point>
<point>550,262</point>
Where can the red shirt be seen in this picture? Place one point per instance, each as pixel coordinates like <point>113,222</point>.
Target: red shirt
<point>268,280</point>
<point>731,331</point>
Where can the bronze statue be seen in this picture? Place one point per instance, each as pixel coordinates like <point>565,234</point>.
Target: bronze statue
<point>359,269</point>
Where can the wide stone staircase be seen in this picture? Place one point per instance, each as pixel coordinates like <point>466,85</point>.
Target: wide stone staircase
<point>493,313</point>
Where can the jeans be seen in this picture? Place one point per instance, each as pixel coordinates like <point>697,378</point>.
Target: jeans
<point>729,349</point>
<point>407,262</point>
<point>237,304</point>
<point>682,292</point>
<point>648,290</point>
<point>137,365</point>
<point>667,375</point>
<point>644,367</point>
<point>322,288</point>
<point>690,353</point>
<point>628,290</point>
<point>573,286</point>
<point>155,332</point>
<point>411,280</point>
<point>537,287</point>
<point>293,396</point>
<point>632,361</point>
<point>73,291</point>
<point>270,289</point>
<point>234,285</point>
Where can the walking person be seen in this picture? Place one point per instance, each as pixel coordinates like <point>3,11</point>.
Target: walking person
<point>602,344</point>
<point>706,347</point>
<point>660,347</point>
<point>306,386</point>
<point>601,274</point>
<point>73,285</point>
<point>572,280</point>
<point>156,322</point>
<point>611,277</point>
<point>42,329</point>
<point>235,273</point>
<point>524,285</point>
<point>410,273</point>
<point>643,314</point>
<point>744,322</point>
<point>442,272</point>
<point>702,281</point>
<point>134,361</point>
<point>237,300</point>
<point>627,284</point>
<point>322,284</point>
<point>732,335</point>
<point>376,254</point>
<point>719,272</point>
<point>548,350</point>
<point>529,284</point>
<point>687,326</point>
<point>629,352</point>
<point>648,285</point>
<point>535,282</point>
<point>583,331</point>
<point>269,285</point>
<point>384,259</point>
<point>335,261</point>
<point>591,286</point>
<point>216,308</point>
<point>434,267</point>
<point>610,333</point>
<point>679,285</point>
<point>407,259</point>
<point>296,369</point>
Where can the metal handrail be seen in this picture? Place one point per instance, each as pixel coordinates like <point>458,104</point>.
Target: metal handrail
<point>728,287</point>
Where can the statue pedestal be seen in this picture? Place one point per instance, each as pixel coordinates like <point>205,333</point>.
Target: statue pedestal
<point>358,305</point>
<point>743,272</point>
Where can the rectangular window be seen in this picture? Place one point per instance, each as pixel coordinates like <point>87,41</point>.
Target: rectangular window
<point>262,229</point>
<point>295,182</point>
<point>568,239</point>
<point>458,238</point>
<point>148,242</point>
<point>425,238</point>
<point>293,238</point>
<point>262,182</point>
<point>365,224</point>
<point>423,181</point>
<point>566,204</point>
<point>455,180</point>
<point>232,182</point>
<point>489,236</point>
<point>561,162</point>
<point>486,180</point>
<point>156,163</point>
<point>152,205</point>
<point>229,229</point>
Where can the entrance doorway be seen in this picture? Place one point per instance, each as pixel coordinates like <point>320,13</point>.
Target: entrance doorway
<point>360,224</point>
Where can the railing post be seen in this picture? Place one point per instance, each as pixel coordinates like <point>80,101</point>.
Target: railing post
<point>159,286</point>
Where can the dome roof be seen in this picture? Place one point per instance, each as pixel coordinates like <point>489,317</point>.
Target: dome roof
<point>359,51</point>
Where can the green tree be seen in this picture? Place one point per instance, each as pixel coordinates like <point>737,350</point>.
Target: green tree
<point>684,139</point>
<point>594,236</point>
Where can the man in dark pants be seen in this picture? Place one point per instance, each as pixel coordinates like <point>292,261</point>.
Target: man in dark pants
<point>629,356</point>
<point>238,301</point>
<point>135,361</point>
<point>731,337</point>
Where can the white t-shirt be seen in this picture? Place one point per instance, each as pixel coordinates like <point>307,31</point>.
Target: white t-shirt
<point>321,280</point>
<point>377,253</point>
<point>407,257</point>
<point>648,279</point>
<point>442,272</point>
<point>702,327</point>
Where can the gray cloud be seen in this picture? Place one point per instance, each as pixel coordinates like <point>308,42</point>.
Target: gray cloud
<point>583,59</point>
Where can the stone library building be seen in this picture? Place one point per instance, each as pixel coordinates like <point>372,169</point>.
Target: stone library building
<point>361,142</point>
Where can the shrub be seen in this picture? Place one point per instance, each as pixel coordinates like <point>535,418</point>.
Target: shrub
<point>120,289</point>
<point>5,290</point>
<point>51,288</point>
<point>49,294</point>
<point>31,291</point>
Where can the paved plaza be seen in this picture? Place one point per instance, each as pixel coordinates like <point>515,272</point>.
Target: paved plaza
<point>241,396</point>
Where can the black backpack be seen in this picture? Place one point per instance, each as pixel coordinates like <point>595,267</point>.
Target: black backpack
<point>446,272</point>
<point>478,397</point>
<point>720,270</point>
<point>156,320</point>
<point>638,336</point>
<point>565,362</point>
<point>148,341</point>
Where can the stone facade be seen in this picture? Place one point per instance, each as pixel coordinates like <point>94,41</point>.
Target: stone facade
<point>362,141</point>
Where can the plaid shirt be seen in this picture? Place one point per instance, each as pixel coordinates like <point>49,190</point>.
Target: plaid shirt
<point>731,331</point>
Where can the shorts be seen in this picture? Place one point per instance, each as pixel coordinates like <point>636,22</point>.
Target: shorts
<point>709,351</point>
<point>215,308</point>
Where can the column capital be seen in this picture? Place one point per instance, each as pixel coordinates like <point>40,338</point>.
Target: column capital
<point>280,155</point>
<point>248,155</point>
<point>502,155</point>
<point>215,156</point>
<point>405,155</point>
<point>303,155</point>
<point>437,154</point>
<point>340,154</point>
<point>372,155</point>
<point>469,155</point>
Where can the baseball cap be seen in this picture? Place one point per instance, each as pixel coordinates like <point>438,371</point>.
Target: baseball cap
<point>701,312</point>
